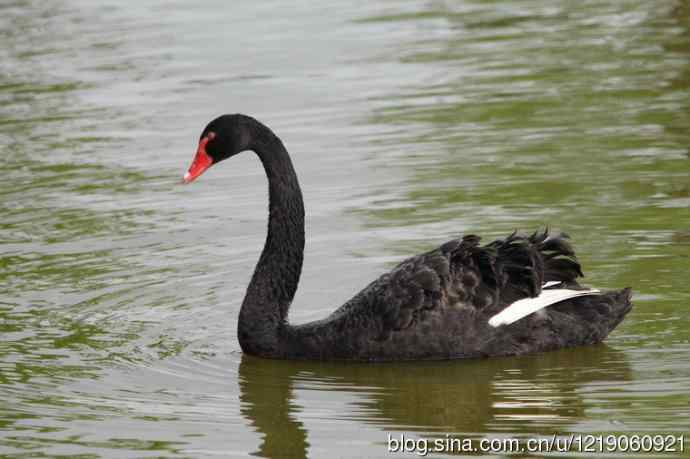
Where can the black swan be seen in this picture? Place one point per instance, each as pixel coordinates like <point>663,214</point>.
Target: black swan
<point>513,296</point>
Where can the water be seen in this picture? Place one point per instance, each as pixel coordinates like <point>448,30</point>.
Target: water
<point>409,122</point>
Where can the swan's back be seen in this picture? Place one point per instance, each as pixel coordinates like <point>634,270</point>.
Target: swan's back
<point>438,304</point>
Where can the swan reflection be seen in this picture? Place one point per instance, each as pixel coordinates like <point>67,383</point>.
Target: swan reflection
<point>544,393</point>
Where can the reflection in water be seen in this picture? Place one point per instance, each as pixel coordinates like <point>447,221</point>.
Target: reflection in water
<point>267,402</point>
<point>538,394</point>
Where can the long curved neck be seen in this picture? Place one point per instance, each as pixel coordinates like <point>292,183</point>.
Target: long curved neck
<point>263,316</point>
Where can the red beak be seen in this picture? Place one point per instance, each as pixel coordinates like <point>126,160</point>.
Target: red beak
<point>202,161</point>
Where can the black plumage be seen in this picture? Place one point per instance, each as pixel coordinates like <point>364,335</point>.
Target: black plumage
<point>432,306</point>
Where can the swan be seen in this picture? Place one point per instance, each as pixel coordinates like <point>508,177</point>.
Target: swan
<point>510,297</point>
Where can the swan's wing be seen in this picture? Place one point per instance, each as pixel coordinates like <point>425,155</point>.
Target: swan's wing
<point>527,306</point>
<point>411,290</point>
<point>462,273</point>
<point>500,273</point>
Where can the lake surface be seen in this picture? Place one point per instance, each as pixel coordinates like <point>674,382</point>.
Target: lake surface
<point>410,123</point>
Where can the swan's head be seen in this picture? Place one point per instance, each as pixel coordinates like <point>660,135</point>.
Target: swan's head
<point>222,138</point>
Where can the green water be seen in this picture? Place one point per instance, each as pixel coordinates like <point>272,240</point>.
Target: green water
<point>409,122</point>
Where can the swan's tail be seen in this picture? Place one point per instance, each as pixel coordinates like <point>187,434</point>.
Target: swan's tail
<point>621,304</point>
<point>597,316</point>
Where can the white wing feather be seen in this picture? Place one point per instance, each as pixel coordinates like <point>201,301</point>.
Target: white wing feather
<point>527,306</point>
<point>551,284</point>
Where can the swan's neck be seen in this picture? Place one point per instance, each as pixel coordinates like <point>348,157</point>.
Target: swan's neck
<point>263,317</point>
